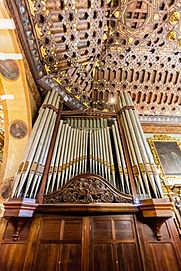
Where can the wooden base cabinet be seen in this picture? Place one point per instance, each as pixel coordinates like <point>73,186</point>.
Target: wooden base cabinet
<point>89,243</point>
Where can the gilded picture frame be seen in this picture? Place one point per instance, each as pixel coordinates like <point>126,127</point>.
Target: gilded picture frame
<point>166,151</point>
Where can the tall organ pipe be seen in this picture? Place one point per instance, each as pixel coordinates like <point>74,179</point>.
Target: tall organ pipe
<point>32,146</point>
<point>152,166</point>
<point>125,171</point>
<point>75,152</point>
<point>70,148</point>
<point>54,166</point>
<point>140,147</point>
<point>101,152</point>
<point>104,152</point>
<point>57,170</point>
<point>136,147</point>
<point>107,155</point>
<point>72,154</point>
<point>78,153</point>
<point>139,183</point>
<point>91,156</point>
<point>41,160</point>
<point>60,164</point>
<point>25,164</point>
<point>138,179</point>
<point>111,158</point>
<point>85,150</point>
<point>118,160</point>
<point>41,153</point>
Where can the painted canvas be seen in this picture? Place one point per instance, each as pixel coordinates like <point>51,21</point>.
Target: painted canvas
<point>169,154</point>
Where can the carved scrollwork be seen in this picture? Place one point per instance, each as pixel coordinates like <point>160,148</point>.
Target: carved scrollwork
<point>87,189</point>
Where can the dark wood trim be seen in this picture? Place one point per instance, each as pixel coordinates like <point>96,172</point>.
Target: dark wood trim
<point>12,6</point>
<point>91,208</point>
<point>154,212</point>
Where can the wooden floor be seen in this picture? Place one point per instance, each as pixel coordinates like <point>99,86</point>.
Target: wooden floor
<point>89,243</point>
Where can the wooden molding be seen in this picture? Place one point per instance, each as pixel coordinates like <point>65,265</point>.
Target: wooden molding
<point>154,212</point>
<point>18,212</point>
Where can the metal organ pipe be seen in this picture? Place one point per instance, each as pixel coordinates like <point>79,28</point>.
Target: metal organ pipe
<point>111,158</point>
<point>67,163</point>
<point>60,164</point>
<point>26,162</point>
<point>104,152</point>
<point>136,147</point>
<point>150,167</point>
<point>143,166</point>
<point>34,149</point>
<point>81,145</point>
<point>118,160</point>
<point>107,155</point>
<point>72,154</point>
<point>101,152</point>
<point>134,163</point>
<point>41,155</point>
<point>124,168</point>
<point>54,163</point>
<point>57,168</point>
<point>147,166</point>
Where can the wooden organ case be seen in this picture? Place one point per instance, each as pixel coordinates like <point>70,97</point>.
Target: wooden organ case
<point>87,196</point>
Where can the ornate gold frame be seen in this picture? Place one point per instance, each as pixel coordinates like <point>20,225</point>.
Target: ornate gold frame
<point>163,138</point>
<point>168,181</point>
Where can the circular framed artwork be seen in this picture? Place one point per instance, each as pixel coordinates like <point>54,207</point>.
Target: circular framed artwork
<point>18,129</point>
<point>9,69</point>
<point>7,188</point>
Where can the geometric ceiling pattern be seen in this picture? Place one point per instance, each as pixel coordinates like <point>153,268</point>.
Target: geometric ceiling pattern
<point>92,50</point>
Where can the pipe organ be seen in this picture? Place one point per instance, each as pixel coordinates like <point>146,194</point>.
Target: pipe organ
<point>87,196</point>
<point>91,144</point>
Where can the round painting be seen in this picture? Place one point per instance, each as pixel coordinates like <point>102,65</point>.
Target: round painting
<point>7,188</point>
<point>9,69</point>
<point>18,129</point>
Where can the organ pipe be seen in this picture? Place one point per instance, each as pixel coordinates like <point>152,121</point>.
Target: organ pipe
<point>122,157</point>
<point>151,167</point>
<point>141,149</point>
<point>34,150</point>
<point>86,144</point>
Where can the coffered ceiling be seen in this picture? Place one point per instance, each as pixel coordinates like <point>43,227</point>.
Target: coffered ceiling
<point>90,50</point>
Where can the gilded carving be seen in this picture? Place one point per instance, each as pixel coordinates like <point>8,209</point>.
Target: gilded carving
<point>174,17</point>
<point>122,36</point>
